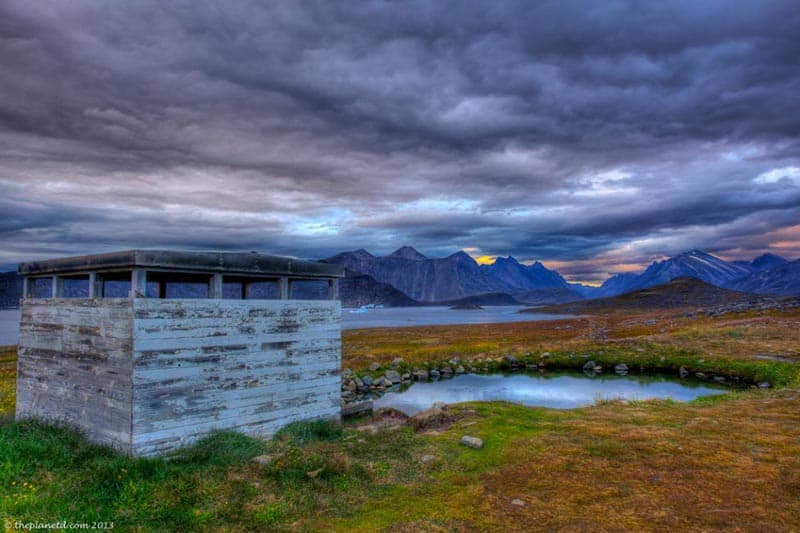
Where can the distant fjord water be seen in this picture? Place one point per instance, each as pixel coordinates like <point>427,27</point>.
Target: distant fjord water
<point>391,317</point>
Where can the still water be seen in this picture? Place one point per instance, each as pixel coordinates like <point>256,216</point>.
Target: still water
<point>560,391</point>
<point>394,317</point>
<point>9,326</point>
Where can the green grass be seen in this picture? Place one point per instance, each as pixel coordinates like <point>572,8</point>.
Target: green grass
<point>707,464</point>
<point>8,376</point>
<point>305,431</point>
<point>569,461</point>
<point>663,358</point>
<point>52,473</point>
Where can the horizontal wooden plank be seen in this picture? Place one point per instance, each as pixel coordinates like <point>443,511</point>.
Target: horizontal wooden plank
<point>261,429</point>
<point>273,309</point>
<point>166,318</point>
<point>36,357</point>
<point>254,424</point>
<point>250,351</point>
<point>152,343</point>
<point>253,364</point>
<point>98,434</point>
<point>174,399</point>
<point>81,377</point>
<point>190,393</point>
<point>89,326</point>
<point>90,412</point>
<point>144,420</point>
<point>246,358</point>
<point>224,328</point>
<point>103,352</point>
<point>59,387</point>
<point>77,312</point>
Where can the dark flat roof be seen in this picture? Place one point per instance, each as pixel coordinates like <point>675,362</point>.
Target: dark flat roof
<point>247,263</point>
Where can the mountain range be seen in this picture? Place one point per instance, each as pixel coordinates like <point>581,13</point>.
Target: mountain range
<point>766,274</point>
<point>406,277</point>
<point>459,276</point>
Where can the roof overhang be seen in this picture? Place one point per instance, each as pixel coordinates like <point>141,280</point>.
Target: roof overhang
<point>241,263</point>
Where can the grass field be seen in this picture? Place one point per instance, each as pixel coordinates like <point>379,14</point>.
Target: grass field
<point>730,462</point>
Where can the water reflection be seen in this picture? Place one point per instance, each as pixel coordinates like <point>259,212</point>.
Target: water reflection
<point>564,391</point>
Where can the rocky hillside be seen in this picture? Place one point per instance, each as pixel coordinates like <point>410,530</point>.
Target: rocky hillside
<point>695,264</point>
<point>546,296</point>
<point>677,293</point>
<point>766,262</point>
<point>516,275</point>
<point>487,299</point>
<point>356,290</point>
<point>783,279</point>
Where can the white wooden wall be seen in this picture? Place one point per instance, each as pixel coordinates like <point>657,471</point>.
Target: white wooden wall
<point>74,366</point>
<point>147,376</point>
<point>249,365</point>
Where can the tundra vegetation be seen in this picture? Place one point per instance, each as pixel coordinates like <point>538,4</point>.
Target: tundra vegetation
<point>723,462</point>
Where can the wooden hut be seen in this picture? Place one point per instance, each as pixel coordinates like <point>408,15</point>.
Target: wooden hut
<point>150,350</point>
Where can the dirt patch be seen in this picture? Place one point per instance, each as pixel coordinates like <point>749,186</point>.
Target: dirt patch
<point>389,416</point>
<point>435,526</point>
<point>438,418</point>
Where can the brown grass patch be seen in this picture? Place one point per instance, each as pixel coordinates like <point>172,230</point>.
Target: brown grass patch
<point>735,466</point>
<point>742,335</point>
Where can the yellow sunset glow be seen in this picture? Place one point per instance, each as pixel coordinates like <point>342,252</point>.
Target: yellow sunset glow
<point>484,259</point>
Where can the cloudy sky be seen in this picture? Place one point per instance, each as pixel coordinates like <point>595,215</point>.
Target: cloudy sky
<point>595,136</point>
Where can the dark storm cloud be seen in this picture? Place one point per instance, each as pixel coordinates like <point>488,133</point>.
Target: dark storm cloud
<point>585,134</point>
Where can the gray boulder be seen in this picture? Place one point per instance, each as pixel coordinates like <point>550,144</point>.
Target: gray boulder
<point>510,360</point>
<point>472,442</point>
<point>393,376</point>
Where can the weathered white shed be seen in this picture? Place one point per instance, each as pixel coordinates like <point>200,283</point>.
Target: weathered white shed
<point>150,350</point>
